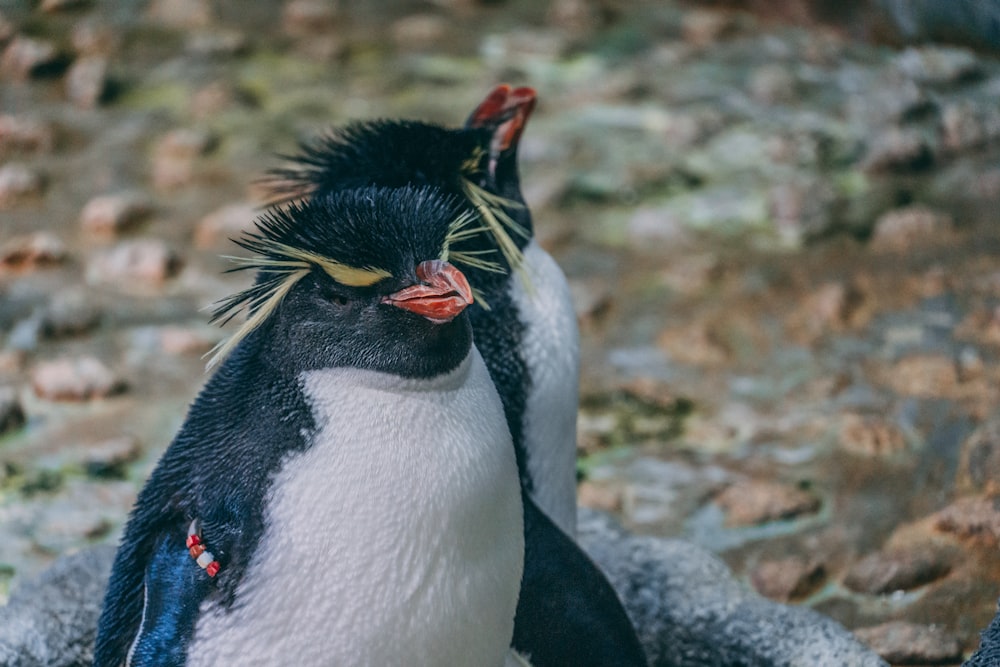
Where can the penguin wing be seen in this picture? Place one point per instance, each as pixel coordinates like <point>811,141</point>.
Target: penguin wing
<point>173,588</point>
<point>568,613</point>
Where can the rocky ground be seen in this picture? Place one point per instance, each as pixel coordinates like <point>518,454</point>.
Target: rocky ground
<point>782,245</point>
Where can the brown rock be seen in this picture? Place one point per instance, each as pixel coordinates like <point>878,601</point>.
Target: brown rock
<point>702,27</point>
<point>695,343</point>
<point>175,154</point>
<point>148,261</point>
<point>910,644</point>
<point>871,436</point>
<point>18,182</point>
<point>773,84</point>
<point>225,223</point>
<point>419,31</point>
<point>185,340</point>
<point>979,459</point>
<point>753,502</point>
<point>899,569</point>
<point>976,518</point>
<point>217,42</point>
<point>111,214</point>
<point>181,13</point>
<point>833,306</point>
<point>603,497</point>
<point>787,578</point>
<point>25,57</point>
<point>78,379</point>
<point>966,125</point>
<point>87,81</point>
<point>11,412</point>
<point>25,134</point>
<point>310,17</point>
<point>903,228</point>
<point>930,375</point>
<point>31,252</point>
<point>94,37</point>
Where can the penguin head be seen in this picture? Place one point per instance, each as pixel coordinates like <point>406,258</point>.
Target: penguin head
<point>476,163</point>
<point>356,278</point>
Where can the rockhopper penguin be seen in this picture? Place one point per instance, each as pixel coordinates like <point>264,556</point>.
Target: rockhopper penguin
<point>344,489</point>
<point>525,328</point>
<point>524,322</point>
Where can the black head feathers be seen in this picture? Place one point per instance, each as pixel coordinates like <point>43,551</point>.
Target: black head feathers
<point>360,238</point>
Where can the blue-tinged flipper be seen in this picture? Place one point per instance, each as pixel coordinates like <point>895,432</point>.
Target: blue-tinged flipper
<point>173,589</point>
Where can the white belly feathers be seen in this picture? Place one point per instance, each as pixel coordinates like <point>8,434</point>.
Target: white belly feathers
<point>394,539</point>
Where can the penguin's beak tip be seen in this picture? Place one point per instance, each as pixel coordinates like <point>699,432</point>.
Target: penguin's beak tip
<point>442,294</point>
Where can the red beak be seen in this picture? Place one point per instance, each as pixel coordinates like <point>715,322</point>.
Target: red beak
<point>508,110</point>
<point>442,294</point>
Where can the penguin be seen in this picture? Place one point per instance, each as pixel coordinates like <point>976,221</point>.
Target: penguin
<point>524,321</point>
<point>343,491</point>
<point>525,327</point>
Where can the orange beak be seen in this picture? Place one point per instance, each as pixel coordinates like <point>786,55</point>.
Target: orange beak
<point>442,294</point>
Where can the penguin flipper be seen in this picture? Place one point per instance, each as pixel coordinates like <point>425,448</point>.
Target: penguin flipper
<point>173,589</point>
<point>568,613</point>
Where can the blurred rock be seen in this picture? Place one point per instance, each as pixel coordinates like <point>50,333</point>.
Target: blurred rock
<point>109,458</point>
<point>967,125</point>
<point>898,150</point>
<point>92,36</point>
<point>773,84</point>
<point>923,375</point>
<point>175,154</point>
<point>976,518</point>
<point>217,42</point>
<point>753,502</point>
<point>937,65</point>
<point>787,578</point>
<point>69,313</point>
<point>25,134</point>
<point>25,57</point>
<point>149,262</point>
<point>52,6</point>
<point>181,13</point>
<point>11,412</point>
<point>704,27</point>
<point>899,569</point>
<point>19,182</point>
<point>979,459</point>
<point>223,224</point>
<point>75,379</point>
<point>310,17</point>
<point>912,644</point>
<point>872,436</point>
<point>903,228</point>
<point>52,619</point>
<point>107,215</point>
<point>32,251</point>
<point>802,210</point>
<point>601,497</point>
<point>419,31</point>
<point>87,81</point>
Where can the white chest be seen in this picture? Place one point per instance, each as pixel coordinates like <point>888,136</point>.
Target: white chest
<point>395,539</point>
<point>551,349</point>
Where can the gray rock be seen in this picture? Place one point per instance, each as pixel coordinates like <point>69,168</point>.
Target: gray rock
<point>25,57</point>
<point>113,213</point>
<point>51,621</point>
<point>689,610</point>
<point>25,134</point>
<point>19,182</point>
<point>898,569</point>
<point>87,81</point>
<point>146,263</point>
<point>75,379</point>
<point>32,251</point>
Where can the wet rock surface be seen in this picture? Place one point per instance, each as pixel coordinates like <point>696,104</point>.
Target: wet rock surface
<point>782,243</point>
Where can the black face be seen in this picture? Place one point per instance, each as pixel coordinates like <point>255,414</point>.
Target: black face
<point>325,268</point>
